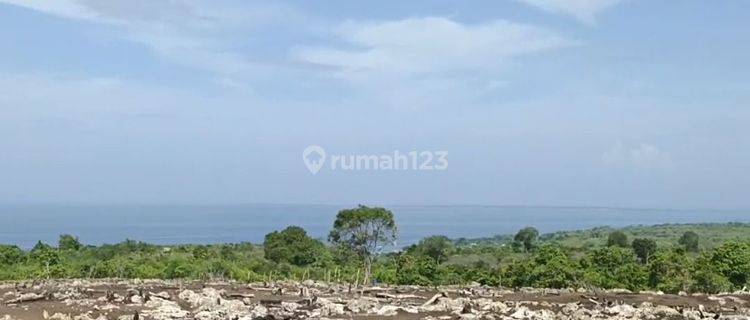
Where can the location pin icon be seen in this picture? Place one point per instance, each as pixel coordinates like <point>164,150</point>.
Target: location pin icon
<point>314,157</point>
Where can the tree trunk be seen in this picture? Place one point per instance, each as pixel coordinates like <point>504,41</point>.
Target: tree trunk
<point>368,269</point>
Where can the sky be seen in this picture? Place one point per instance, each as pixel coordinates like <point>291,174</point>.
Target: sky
<point>625,103</point>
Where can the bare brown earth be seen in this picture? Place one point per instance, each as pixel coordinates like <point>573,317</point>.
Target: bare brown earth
<point>164,300</point>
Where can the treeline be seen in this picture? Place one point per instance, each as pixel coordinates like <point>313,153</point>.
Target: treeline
<point>353,253</point>
<point>528,262</point>
<point>712,235</point>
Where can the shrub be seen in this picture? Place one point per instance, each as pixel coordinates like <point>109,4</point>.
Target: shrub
<point>690,240</point>
<point>732,260</point>
<point>614,267</point>
<point>10,255</point>
<point>68,242</point>
<point>669,271</point>
<point>644,248</point>
<point>618,239</point>
<point>292,245</point>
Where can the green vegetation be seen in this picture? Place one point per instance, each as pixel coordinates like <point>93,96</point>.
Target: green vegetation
<point>618,238</point>
<point>670,258</point>
<point>68,242</point>
<point>526,238</point>
<point>294,246</point>
<point>644,248</point>
<point>690,240</point>
<point>364,231</point>
<point>439,248</point>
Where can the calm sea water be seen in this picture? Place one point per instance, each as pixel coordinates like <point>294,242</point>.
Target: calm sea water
<point>24,225</point>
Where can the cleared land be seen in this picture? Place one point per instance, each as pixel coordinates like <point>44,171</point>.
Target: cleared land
<point>158,299</point>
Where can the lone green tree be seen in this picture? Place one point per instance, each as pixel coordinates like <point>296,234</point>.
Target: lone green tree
<point>644,248</point>
<point>617,239</point>
<point>68,242</point>
<point>527,237</point>
<point>292,245</point>
<point>364,230</point>
<point>438,248</point>
<point>690,240</point>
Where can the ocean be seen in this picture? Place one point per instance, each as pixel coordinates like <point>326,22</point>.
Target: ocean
<point>25,225</point>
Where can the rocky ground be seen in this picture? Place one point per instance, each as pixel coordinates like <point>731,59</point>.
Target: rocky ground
<point>127,300</point>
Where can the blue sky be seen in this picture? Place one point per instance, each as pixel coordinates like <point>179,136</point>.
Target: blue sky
<point>538,102</point>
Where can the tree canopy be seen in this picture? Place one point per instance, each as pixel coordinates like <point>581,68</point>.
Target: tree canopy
<point>364,230</point>
<point>292,245</point>
<point>644,248</point>
<point>690,240</point>
<point>438,248</point>
<point>68,242</point>
<point>618,239</point>
<point>527,238</point>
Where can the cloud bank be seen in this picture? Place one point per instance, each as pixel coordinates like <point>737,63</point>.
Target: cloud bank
<point>583,10</point>
<point>430,45</point>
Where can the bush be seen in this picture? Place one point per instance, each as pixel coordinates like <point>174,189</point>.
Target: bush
<point>179,268</point>
<point>669,271</point>
<point>68,242</point>
<point>618,239</point>
<point>526,238</point>
<point>439,248</point>
<point>549,267</point>
<point>732,260</point>
<point>614,267</point>
<point>705,277</point>
<point>644,248</point>
<point>294,246</point>
<point>419,270</point>
<point>10,255</point>
<point>553,269</point>
<point>690,240</point>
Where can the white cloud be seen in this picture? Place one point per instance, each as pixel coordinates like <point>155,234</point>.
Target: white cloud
<point>642,155</point>
<point>430,45</point>
<point>65,8</point>
<point>424,62</point>
<point>199,34</point>
<point>583,10</point>
<point>416,62</point>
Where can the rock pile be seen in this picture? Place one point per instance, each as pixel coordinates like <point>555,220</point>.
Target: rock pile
<point>162,300</point>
